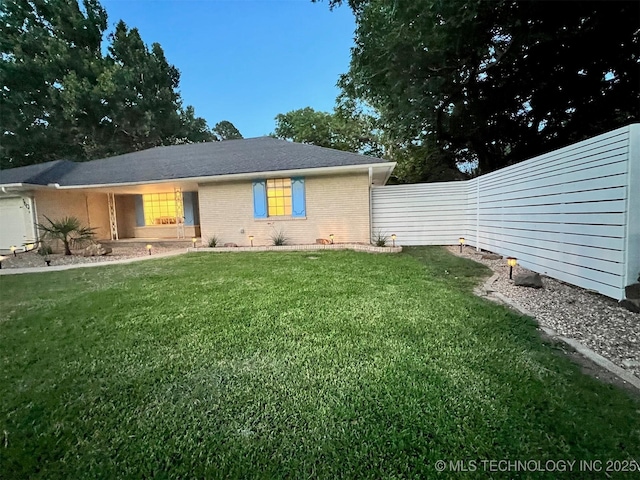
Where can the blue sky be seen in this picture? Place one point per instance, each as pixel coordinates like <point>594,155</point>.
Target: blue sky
<point>246,60</point>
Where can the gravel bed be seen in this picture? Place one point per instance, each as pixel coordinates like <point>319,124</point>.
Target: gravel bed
<point>596,321</point>
<point>120,252</point>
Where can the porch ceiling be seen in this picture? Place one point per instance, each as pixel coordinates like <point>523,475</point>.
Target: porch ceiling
<point>185,186</point>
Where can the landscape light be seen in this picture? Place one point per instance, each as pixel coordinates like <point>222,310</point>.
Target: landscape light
<point>194,240</point>
<point>331,238</point>
<point>461,240</point>
<point>149,248</point>
<point>251,239</point>
<point>512,262</point>
<point>393,238</point>
<point>13,250</point>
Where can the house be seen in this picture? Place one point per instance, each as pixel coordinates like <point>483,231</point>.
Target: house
<point>232,189</point>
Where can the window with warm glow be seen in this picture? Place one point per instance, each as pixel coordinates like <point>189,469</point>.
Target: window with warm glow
<point>279,196</point>
<point>159,208</point>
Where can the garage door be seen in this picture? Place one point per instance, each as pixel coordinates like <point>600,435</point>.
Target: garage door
<point>16,222</point>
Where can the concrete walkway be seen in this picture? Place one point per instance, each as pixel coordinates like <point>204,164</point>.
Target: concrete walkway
<point>58,268</point>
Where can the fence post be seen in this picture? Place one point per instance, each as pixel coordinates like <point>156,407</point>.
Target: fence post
<point>632,230</point>
<point>478,214</point>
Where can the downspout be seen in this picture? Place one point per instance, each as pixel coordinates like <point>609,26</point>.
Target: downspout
<point>34,217</point>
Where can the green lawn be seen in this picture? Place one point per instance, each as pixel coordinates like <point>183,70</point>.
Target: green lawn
<point>316,364</point>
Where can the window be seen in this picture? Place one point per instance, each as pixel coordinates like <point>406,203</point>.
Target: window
<point>279,197</point>
<point>159,208</point>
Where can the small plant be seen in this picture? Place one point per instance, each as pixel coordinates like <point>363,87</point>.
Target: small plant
<point>45,250</point>
<point>380,239</point>
<point>278,238</point>
<point>68,230</point>
<point>213,241</point>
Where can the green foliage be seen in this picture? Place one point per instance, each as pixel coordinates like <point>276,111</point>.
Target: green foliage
<point>213,241</point>
<point>62,98</point>
<point>68,230</point>
<point>279,238</point>
<point>225,130</point>
<point>45,249</point>
<point>486,84</point>
<point>346,129</point>
<point>272,365</point>
<point>380,239</point>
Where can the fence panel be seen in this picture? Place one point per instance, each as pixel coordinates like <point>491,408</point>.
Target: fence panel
<point>572,214</point>
<point>420,214</point>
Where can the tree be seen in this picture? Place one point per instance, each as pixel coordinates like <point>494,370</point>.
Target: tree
<point>225,130</point>
<point>345,129</point>
<point>40,44</point>
<point>494,83</point>
<point>62,98</point>
<point>68,230</point>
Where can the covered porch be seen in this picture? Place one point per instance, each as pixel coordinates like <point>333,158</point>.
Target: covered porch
<point>161,211</point>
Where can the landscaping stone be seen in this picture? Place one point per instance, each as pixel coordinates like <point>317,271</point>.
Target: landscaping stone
<point>530,279</point>
<point>631,363</point>
<point>95,250</point>
<point>632,291</point>
<point>323,241</point>
<point>491,256</point>
<point>230,245</point>
<point>631,304</point>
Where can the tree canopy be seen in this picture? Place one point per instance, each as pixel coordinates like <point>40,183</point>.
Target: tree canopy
<point>63,98</point>
<point>225,130</point>
<point>344,129</point>
<point>492,83</point>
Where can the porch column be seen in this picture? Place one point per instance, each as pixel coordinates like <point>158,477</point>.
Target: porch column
<point>179,212</point>
<point>113,222</point>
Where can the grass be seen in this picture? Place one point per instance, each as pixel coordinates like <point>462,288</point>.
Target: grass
<point>321,364</point>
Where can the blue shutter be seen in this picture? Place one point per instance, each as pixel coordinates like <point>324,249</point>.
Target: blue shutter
<point>187,205</point>
<point>260,199</point>
<point>139,211</point>
<point>298,207</point>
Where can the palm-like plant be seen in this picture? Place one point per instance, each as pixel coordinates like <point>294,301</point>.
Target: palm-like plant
<point>67,230</point>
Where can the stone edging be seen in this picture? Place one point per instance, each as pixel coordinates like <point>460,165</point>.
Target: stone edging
<point>300,248</point>
<point>486,290</point>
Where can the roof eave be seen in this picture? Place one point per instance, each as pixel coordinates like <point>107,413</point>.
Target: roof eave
<point>246,176</point>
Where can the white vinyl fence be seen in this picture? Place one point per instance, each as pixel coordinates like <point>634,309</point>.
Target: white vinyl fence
<point>572,214</point>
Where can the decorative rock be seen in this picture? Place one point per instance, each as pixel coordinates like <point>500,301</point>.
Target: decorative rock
<point>230,245</point>
<point>532,280</point>
<point>632,291</point>
<point>95,250</point>
<point>630,363</point>
<point>491,256</point>
<point>633,305</point>
<point>323,241</point>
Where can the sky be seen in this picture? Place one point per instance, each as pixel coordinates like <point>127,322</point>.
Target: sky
<point>246,61</point>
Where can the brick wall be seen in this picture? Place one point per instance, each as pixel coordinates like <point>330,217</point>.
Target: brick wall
<point>337,204</point>
<point>90,208</point>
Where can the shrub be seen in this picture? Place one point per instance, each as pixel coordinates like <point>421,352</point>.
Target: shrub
<point>45,249</point>
<point>213,241</point>
<point>380,239</point>
<point>278,238</point>
<point>68,230</point>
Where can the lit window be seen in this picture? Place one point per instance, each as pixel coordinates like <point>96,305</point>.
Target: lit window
<point>279,196</point>
<point>159,208</point>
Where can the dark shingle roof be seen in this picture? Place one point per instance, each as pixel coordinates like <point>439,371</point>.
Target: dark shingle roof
<point>40,174</point>
<point>250,155</point>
